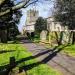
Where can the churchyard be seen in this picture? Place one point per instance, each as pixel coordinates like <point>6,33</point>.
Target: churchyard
<point>37,37</point>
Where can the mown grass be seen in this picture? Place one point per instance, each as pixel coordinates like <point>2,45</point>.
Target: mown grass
<point>69,50</point>
<point>19,52</point>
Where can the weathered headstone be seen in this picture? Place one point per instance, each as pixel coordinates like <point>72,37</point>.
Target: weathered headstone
<point>43,36</point>
<point>67,37</point>
<point>53,38</point>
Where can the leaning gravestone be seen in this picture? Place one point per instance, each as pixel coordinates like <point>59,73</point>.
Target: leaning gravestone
<point>67,37</point>
<point>43,36</point>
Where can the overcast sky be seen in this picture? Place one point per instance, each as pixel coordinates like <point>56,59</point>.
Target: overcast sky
<point>45,10</point>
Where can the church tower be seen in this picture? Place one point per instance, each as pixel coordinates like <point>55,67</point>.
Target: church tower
<point>32,16</point>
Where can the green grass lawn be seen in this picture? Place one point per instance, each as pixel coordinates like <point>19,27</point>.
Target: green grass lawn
<point>69,50</point>
<point>19,52</point>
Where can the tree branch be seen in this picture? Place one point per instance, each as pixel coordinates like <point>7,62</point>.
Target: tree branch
<point>1,1</point>
<point>30,4</point>
<point>18,6</point>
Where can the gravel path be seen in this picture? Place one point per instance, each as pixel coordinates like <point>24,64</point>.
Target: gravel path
<point>52,57</point>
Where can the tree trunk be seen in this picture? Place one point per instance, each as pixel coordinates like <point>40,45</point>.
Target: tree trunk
<point>4,36</point>
<point>73,37</point>
<point>0,36</point>
<point>59,37</point>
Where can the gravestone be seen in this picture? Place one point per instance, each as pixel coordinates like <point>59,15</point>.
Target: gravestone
<point>43,36</point>
<point>67,37</point>
<point>53,38</point>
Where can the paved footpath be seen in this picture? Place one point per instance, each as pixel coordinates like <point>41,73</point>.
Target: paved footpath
<point>54,58</point>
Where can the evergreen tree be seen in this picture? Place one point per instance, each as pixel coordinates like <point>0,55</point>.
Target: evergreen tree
<point>7,20</point>
<point>65,13</point>
<point>41,24</point>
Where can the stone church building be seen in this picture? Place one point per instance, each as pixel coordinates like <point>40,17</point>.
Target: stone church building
<point>32,16</point>
<point>52,25</point>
